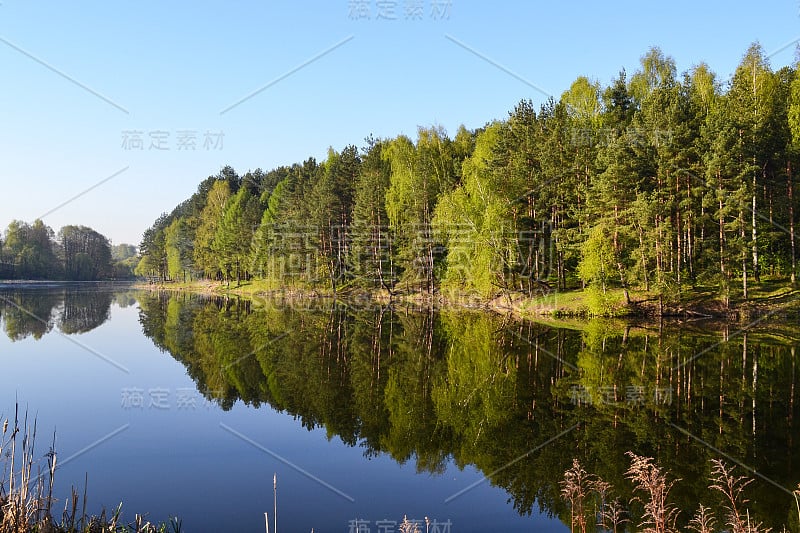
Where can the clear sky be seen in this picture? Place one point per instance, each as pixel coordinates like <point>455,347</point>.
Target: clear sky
<point>130,104</point>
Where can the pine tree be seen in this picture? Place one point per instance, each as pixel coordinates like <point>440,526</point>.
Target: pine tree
<point>234,234</point>
<point>205,259</point>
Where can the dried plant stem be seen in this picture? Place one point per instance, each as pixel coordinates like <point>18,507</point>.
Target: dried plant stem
<point>574,489</point>
<point>659,515</point>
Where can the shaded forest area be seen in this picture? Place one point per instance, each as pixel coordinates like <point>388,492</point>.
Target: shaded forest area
<point>658,182</point>
<point>76,253</point>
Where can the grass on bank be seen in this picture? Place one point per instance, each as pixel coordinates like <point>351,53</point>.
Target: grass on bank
<point>770,295</point>
<point>27,503</point>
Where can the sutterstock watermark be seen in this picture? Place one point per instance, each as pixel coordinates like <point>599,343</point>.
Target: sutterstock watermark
<point>392,10</point>
<point>178,140</point>
<point>163,399</point>
<point>632,136</point>
<point>372,253</point>
<point>426,525</point>
<point>630,395</point>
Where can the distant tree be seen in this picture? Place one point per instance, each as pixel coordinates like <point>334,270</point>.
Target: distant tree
<point>124,261</point>
<point>85,252</point>
<point>121,252</point>
<point>29,251</point>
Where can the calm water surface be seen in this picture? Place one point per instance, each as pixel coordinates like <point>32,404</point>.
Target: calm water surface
<point>183,405</point>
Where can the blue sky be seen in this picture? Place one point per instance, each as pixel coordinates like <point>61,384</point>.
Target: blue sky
<point>84,82</point>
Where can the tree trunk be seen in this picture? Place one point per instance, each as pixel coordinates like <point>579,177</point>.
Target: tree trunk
<point>678,234</point>
<point>690,237</point>
<point>790,188</point>
<point>742,234</point>
<point>617,257</point>
<point>644,259</point>
<point>756,275</point>
<point>722,270</point>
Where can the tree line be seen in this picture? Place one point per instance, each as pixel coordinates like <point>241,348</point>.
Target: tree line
<point>75,253</point>
<point>658,181</point>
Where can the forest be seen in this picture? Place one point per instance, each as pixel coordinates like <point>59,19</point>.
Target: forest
<point>658,182</point>
<point>76,253</point>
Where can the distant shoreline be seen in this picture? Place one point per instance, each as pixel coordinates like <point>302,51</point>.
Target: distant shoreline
<point>42,284</point>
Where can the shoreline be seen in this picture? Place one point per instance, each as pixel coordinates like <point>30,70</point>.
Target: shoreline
<point>775,300</point>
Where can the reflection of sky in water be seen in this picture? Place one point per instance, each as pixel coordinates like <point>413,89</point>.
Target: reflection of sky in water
<point>180,461</point>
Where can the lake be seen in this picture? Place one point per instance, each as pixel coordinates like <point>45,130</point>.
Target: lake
<point>186,405</point>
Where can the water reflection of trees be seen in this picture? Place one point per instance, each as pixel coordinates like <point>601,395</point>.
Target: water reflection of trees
<point>34,313</point>
<point>481,390</point>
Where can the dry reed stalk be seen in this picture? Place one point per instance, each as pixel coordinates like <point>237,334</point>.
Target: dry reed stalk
<point>732,486</point>
<point>574,489</point>
<point>703,520</point>
<point>659,515</point>
<point>407,526</point>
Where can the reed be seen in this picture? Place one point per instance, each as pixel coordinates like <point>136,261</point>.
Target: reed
<point>575,490</point>
<point>732,486</point>
<point>408,526</point>
<point>26,491</point>
<point>612,513</point>
<point>703,520</point>
<point>652,492</point>
<point>648,478</point>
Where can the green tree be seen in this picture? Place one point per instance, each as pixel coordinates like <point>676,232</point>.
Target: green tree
<point>584,105</point>
<point>265,252</point>
<point>233,238</point>
<point>372,253</point>
<point>86,253</point>
<point>179,248</point>
<point>476,225</point>
<point>691,183</point>
<point>331,211</point>
<point>153,251</point>
<point>794,149</point>
<point>751,100</point>
<point>210,217</point>
<point>597,266</point>
<point>29,248</point>
<point>419,175</point>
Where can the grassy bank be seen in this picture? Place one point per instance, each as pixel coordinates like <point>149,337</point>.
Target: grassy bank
<point>771,297</point>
